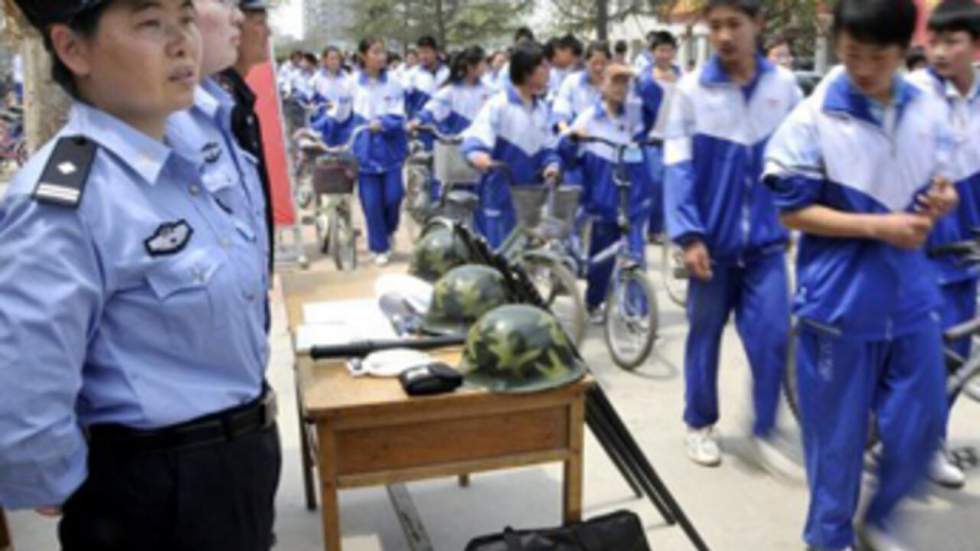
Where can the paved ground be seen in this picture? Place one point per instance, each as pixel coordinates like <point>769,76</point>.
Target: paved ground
<point>736,507</point>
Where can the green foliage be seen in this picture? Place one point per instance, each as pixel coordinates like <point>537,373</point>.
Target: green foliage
<point>454,22</point>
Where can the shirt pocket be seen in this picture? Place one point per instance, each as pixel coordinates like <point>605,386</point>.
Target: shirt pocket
<point>186,287</point>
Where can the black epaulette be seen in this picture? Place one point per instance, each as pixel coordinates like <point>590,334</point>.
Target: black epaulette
<point>64,177</point>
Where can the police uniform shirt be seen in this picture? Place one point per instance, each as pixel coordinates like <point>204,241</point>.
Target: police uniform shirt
<point>135,306</point>
<point>248,133</point>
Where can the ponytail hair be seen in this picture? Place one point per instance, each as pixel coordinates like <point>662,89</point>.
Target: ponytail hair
<point>462,61</point>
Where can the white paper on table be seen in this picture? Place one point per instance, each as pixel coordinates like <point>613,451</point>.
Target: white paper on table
<point>342,322</point>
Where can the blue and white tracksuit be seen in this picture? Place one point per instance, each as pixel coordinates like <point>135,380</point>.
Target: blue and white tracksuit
<point>379,155</point>
<point>328,87</point>
<point>333,93</point>
<point>958,283</point>
<point>656,97</point>
<point>573,98</point>
<point>716,134</point>
<point>557,78</point>
<point>518,135</point>
<point>597,163</point>
<point>452,110</point>
<point>643,62</point>
<point>869,338</point>
<point>420,85</point>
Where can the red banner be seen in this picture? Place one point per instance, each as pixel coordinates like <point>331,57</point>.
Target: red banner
<point>262,80</point>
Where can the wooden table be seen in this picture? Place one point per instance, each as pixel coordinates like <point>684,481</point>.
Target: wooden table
<point>368,432</point>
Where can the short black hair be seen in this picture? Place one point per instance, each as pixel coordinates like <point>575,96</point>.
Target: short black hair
<point>427,41</point>
<point>86,24</point>
<point>621,47</point>
<point>598,47</point>
<point>662,38</point>
<point>879,22</point>
<point>915,57</point>
<point>523,33</point>
<point>527,56</point>
<point>310,58</point>
<point>751,8</point>
<point>956,16</point>
<point>569,42</point>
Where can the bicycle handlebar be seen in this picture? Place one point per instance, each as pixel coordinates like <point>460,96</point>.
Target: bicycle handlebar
<point>444,138</point>
<point>309,140</point>
<point>504,168</point>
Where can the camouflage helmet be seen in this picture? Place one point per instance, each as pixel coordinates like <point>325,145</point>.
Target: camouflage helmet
<point>439,251</point>
<point>519,348</point>
<point>463,295</point>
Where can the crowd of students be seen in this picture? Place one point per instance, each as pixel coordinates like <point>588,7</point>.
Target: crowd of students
<point>876,164</point>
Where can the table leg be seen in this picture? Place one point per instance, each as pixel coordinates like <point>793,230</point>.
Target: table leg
<point>464,481</point>
<point>305,450</point>
<point>5,541</point>
<point>572,489</point>
<point>330,513</point>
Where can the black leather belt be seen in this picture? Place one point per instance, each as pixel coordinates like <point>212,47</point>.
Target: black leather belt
<point>211,429</point>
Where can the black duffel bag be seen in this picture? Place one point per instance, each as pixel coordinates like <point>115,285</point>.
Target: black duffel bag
<point>619,531</point>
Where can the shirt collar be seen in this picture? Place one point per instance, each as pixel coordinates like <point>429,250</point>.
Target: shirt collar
<point>843,97</point>
<point>144,155</point>
<point>363,77</point>
<point>601,113</point>
<point>514,97</point>
<point>953,93</point>
<point>206,102</point>
<point>714,74</point>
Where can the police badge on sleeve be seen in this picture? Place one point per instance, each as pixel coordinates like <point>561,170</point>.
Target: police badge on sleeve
<point>169,238</point>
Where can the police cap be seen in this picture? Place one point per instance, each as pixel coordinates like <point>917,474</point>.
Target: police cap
<point>42,13</point>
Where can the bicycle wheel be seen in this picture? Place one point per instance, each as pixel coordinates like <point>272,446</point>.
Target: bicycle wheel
<point>558,288</point>
<point>344,240</point>
<point>417,203</point>
<point>670,261</point>
<point>324,229</point>
<point>631,319</point>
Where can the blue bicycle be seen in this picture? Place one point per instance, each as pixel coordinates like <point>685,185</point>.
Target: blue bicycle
<point>631,317</point>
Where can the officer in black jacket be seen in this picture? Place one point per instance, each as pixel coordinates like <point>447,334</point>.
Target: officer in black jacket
<point>253,50</point>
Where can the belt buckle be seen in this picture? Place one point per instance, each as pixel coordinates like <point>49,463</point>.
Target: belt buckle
<point>270,409</point>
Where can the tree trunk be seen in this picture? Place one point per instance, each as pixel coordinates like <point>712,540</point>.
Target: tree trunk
<point>602,19</point>
<point>45,104</point>
<point>441,23</point>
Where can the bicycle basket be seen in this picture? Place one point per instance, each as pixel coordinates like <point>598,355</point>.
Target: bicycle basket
<point>451,167</point>
<point>334,178</point>
<point>559,223</point>
<point>528,204</point>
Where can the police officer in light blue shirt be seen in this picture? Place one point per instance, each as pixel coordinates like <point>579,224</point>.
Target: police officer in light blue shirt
<point>132,342</point>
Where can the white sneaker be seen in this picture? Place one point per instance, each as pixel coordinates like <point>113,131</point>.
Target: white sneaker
<point>944,472</point>
<point>382,259</point>
<point>972,388</point>
<point>772,459</point>
<point>597,316</point>
<point>702,447</point>
<point>876,539</point>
